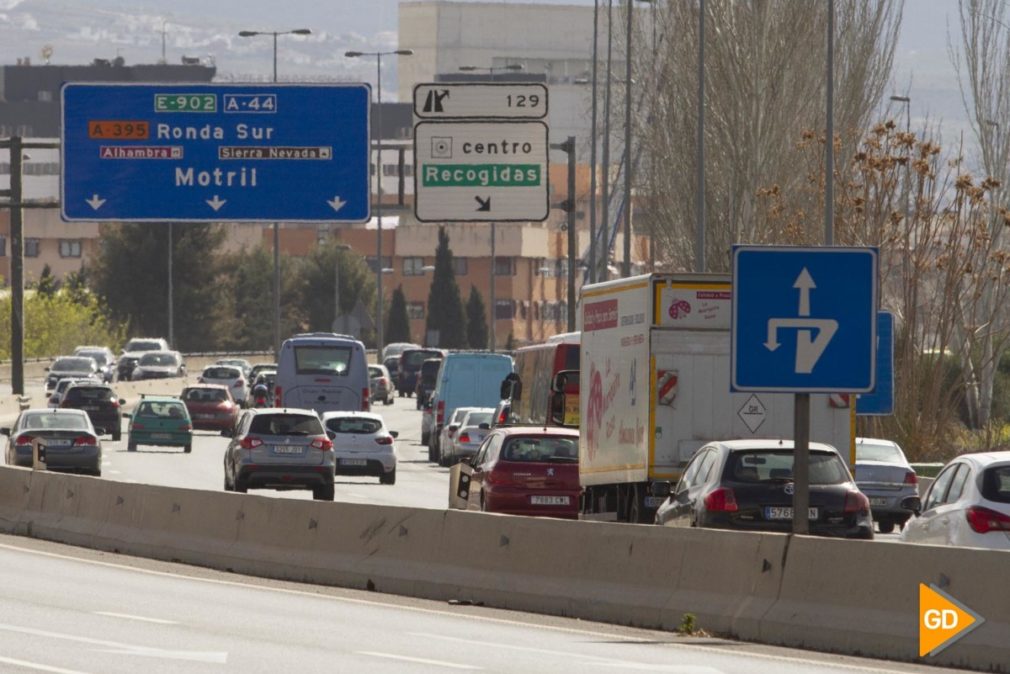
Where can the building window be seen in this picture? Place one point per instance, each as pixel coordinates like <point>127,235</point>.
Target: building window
<point>390,170</point>
<point>504,309</point>
<point>459,266</point>
<point>387,262</point>
<point>413,266</point>
<point>408,170</point>
<point>504,266</point>
<point>70,247</point>
<point>31,247</point>
<point>415,310</point>
<point>3,246</point>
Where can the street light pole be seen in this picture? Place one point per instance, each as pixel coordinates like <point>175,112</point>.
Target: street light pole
<point>605,196</point>
<point>592,150</point>
<point>378,176</point>
<point>628,163</point>
<point>277,233</point>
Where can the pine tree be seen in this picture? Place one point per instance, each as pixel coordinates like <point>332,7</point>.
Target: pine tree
<point>445,307</point>
<point>476,320</point>
<point>398,323</point>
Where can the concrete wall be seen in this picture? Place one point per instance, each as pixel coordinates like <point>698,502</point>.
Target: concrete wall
<point>854,597</point>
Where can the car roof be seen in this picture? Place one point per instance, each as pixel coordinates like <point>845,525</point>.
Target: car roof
<point>767,443</point>
<point>985,459</point>
<point>351,415</point>
<point>219,387</point>
<point>160,399</point>
<point>218,365</point>
<point>257,411</point>
<point>57,411</point>
<point>537,430</point>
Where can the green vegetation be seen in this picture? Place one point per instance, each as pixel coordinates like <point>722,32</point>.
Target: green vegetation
<point>476,320</point>
<point>397,322</point>
<point>445,307</point>
<point>57,321</point>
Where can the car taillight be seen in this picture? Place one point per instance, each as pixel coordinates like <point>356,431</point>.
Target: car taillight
<point>82,440</point>
<point>365,405</point>
<point>115,404</point>
<point>137,426</point>
<point>240,382</point>
<point>322,444</point>
<point>187,427</point>
<point>24,439</point>
<point>501,417</point>
<point>982,520</point>
<point>385,440</point>
<point>250,442</point>
<point>278,398</point>
<point>464,437</point>
<point>440,412</point>
<point>721,500</point>
<point>911,477</point>
<point>856,501</point>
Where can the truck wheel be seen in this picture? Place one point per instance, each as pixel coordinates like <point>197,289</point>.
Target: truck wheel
<point>117,435</point>
<point>886,526</point>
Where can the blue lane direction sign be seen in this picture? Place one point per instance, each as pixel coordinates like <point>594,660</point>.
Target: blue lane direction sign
<point>881,401</point>
<point>215,152</point>
<point>804,319</point>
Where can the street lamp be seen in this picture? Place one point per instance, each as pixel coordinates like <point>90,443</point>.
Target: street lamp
<point>379,271</point>
<point>277,233</point>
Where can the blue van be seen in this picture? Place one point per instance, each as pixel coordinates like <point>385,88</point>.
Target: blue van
<point>322,371</point>
<point>466,379</point>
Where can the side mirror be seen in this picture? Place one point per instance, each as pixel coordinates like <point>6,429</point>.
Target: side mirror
<point>122,401</point>
<point>660,488</point>
<point>913,503</point>
<point>126,415</point>
<point>47,369</point>
<point>100,431</point>
<point>395,434</point>
<point>5,430</point>
<point>228,432</point>
<point>330,434</point>
<point>453,428</point>
<point>484,427</point>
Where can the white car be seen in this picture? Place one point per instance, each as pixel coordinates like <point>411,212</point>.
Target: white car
<point>63,384</point>
<point>362,444</point>
<point>968,505</point>
<point>448,433</point>
<point>229,376</point>
<point>473,428</point>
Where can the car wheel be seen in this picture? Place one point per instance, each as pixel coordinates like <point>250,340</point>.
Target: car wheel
<point>886,526</point>
<point>227,485</point>
<point>483,503</point>
<point>388,478</point>
<point>418,402</point>
<point>388,401</point>
<point>131,446</point>
<point>425,437</point>
<point>444,459</point>
<point>188,448</point>
<point>117,435</point>
<point>400,393</point>
<point>240,486</point>
<point>324,493</point>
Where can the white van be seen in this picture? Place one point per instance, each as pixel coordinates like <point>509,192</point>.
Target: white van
<point>466,379</point>
<point>322,371</point>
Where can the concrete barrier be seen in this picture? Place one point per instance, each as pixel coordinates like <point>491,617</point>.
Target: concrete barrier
<point>855,597</point>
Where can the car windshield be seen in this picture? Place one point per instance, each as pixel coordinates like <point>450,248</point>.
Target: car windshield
<point>205,395</point>
<point>237,363</point>
<point>159,359</point>
<point>51,421</point>
<point>458,415</point>
<point>541,448</point>
<point>162,409</point>
<point>996,484</point>
<point>322,359</point>
<point>266,379</point>
<point>776,465</point>
<point>100,357</point>
<point>286,424</point>
<point>354,425</point>
<point>227,372</point>
<point>885,453</point>
<point>478,418</point>
<point>374,371</point>
<point>414,359</point>
<point>74,365</point>
<point>143,345</point>
<point>89,394</point>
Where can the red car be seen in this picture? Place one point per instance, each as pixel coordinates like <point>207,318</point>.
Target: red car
<point>525,470</point>
<point>210,406</point>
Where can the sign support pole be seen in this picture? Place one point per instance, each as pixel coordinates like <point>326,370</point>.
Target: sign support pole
<point>801,464</point>
<point>493,312</point>
<point>17,271</point>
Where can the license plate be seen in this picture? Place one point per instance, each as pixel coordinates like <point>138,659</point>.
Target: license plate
<point>878,501</point>
<point>91,408</point>
<point>56,442</point>
<point>289,450</point>
<point>161,436</point>
<point>550,500</point>
<point>353,462</point>
<point>775,513</point>
<point>203,416</point>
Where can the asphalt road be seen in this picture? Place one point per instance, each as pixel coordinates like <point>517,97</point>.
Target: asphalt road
<point>76,611</point>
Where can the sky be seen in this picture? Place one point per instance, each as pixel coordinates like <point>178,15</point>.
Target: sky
<point>79,30</point>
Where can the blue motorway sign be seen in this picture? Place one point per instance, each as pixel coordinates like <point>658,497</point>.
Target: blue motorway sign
<point>215,152</point>
<point>881,401</point>
<point>804,319</point>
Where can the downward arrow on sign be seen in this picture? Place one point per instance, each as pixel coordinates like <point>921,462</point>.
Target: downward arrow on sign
<point>95,202</point>
<point>485,204</point>
<point>216,203</point>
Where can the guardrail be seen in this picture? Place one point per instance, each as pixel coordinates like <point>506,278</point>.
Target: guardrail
<point>856,597</point>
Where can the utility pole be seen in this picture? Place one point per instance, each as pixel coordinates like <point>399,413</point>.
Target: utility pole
<point>568,205</point>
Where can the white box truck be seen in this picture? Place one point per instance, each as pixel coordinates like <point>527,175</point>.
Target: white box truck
<point>655,387</point>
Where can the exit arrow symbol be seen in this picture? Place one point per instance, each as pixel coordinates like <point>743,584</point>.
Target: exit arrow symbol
<point>216,203</point>
<point>804,283</point>
<point>485,204</point>
<point>94,202</point>
<point>336,203</point>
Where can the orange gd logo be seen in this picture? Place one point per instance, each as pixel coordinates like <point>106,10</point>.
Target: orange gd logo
<point>942,620</point>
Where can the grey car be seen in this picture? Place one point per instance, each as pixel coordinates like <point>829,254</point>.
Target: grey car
<point>70,366</point>
<point>105,359</point>
<point>71,442</point>
<point>884,475</point>
<point>280,449</point>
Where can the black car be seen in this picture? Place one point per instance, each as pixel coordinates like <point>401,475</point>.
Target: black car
<point>748,485</point>
<point>411,361</point>
<point>100,403</point>
<point>426,379</point>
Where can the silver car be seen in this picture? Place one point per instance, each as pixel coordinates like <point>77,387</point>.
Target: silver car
<point>279,449</point>
<point>473,428</point>
<point>71,442</point>
<point>884,475</point>
<point>362,444</point>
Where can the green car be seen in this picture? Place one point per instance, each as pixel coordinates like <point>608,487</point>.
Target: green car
<point>160,420</point>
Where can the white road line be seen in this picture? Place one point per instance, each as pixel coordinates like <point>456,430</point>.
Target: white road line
<point>127,616</point>
<point>422,661</point>
<point>115,472</point>
<point>38,667</point>
<point>737,650</point>
<point>513,647</point>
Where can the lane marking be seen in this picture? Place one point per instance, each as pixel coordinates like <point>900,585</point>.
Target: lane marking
<point>738,650</point>
<point>127,616</point>
<point>115,472</point>
<point>526,649</point>
<point>38,667</point>
<point>422,661</point>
